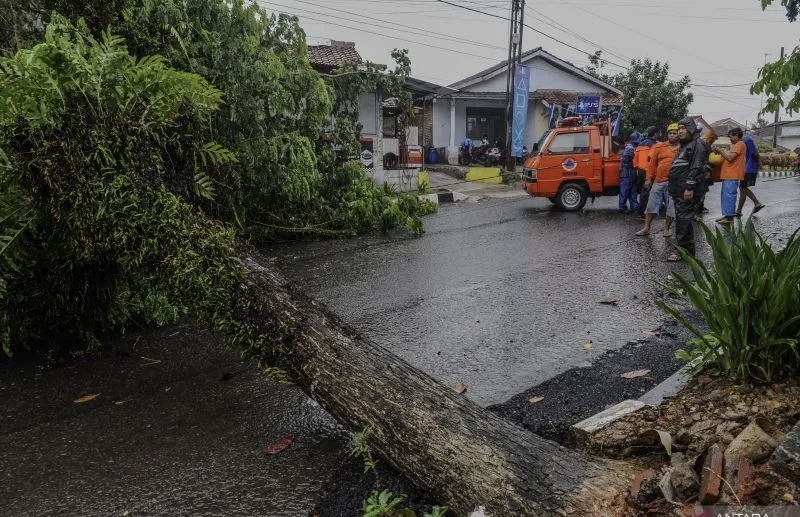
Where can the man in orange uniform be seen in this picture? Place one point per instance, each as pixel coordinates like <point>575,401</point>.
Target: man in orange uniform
<point>641,159</point>
<point>732,174</point>
<point>657,181</point>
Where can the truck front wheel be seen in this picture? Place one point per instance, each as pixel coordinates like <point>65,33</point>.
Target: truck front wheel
<point>571,197</point>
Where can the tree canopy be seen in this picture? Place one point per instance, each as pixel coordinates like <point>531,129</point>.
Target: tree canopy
<point>139,138</point>
<point>650,97</point>
<point>779,77</point>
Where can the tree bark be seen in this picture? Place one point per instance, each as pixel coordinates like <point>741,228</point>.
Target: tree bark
<point>447,445</point>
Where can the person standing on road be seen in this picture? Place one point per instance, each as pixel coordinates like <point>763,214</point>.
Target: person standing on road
<point>627,176</point>
<point>702,190</point>
<point>657,181</point>
<point>752,162</point>
<point>686,175</point>
<point>732,174</point>
<point>641,159</point>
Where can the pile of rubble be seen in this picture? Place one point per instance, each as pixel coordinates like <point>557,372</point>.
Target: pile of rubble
<point>716,442</point>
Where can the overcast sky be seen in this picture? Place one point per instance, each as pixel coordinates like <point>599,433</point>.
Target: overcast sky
<point>716,42</point>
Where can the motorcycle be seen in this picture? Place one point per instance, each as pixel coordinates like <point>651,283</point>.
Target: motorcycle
<point>524,156</point>
<point>465,153</point>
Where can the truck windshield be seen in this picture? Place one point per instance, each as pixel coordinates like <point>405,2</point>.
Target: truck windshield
<point>537,147</point>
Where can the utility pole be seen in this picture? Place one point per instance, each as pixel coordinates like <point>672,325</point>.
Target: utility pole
<point>777,114</point>
<point>514,57</point>
<point>761,97</point>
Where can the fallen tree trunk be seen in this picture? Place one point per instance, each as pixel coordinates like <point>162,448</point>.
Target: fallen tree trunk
<point>464,455</point>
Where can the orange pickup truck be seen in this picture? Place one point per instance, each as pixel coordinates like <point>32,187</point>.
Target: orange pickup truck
<point>572,163</point>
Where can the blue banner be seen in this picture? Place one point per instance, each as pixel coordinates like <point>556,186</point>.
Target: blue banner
<point>588,105</point>
<point>522,81</point>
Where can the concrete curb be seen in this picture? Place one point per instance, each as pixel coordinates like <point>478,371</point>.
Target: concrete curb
<point>776,174</point>
<point>669,387</point>
<point>444,197</point>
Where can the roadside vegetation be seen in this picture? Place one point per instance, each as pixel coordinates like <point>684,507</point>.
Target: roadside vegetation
<point>141,140</point>
<point>749,298</point>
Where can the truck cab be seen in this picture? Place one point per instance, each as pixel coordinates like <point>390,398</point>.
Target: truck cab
<point>572,163</point>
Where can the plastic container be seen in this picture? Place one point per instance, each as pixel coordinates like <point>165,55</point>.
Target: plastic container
<point>433,155</point>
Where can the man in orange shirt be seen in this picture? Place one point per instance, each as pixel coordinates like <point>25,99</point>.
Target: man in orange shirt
<point>732,174</point>
<point>657,181</point>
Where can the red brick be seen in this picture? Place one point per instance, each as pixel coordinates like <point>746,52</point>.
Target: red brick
<point>636,484</point>
<point>744,478</point>
<point>711,477</point>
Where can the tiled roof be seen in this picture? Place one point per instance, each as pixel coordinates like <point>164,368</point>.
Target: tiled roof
<point>332,56</point>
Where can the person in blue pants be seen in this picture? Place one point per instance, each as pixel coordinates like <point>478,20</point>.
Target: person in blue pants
<point>628,190</point>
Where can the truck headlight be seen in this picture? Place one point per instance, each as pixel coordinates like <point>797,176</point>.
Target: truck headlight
<point>530,174</point>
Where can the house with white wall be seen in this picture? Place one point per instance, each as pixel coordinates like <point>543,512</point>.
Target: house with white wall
<point>381,142</point>
<point>476,105</point>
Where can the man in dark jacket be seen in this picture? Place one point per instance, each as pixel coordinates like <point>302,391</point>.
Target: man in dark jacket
<point>628,193</point>
<point>686,176</point>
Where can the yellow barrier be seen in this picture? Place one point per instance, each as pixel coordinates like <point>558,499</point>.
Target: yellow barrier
<point>485,174</point>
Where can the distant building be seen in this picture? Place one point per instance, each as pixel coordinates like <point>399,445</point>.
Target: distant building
<point>476,106</point>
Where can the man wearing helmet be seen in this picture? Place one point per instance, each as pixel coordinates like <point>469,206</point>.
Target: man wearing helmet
<point>686,175</point>
<point>661,156</point>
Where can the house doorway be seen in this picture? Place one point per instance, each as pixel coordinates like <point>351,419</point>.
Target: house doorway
<point>486,121</point>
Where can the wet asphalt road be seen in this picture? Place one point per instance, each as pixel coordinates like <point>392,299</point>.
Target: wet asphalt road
<point>503,294</point>
<point>500,294</point>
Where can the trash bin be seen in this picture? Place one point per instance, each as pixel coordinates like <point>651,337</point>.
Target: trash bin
<point>433,155</point>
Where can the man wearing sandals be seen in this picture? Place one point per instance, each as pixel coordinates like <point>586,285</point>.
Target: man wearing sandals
<point>752,162</point>
<point>732,174</point>
<point>657,181</point>
<point>686,175</point>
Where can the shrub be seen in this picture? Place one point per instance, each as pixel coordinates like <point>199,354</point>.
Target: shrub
<point>102,161</point>
<point>749,299</point>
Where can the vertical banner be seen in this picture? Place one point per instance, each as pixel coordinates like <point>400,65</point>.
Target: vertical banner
<point>617,131</point>
<point>518,124</point>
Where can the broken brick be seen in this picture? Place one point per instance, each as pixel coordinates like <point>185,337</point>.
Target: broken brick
<point>711,477</point>
<point>636,484</point>
<point>744,478</point>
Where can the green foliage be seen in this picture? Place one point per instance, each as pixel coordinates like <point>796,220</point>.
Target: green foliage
<point>649,96</point>
<point>792,7</point>
<point>764,148</point>
<point>103,161</point>
<point>437,511</point>
<point>287,182</point>
<point>749,300</point>
<point>777,78</point>
<point>384,504</point>
<point>360,447</point>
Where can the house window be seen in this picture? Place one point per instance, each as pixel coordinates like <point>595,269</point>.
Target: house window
<point>486,121</point>
<point>570,143</point>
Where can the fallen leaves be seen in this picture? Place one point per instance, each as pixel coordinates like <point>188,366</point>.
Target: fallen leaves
<point>653,437</point>
<point>634,374</point>
<point>86,398</point>
<point>588,345</point>
<point>534,400</point>
<point>609,302</point>
<point>653,332</point>
<point>281,445</point>
<point>460,388</point>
